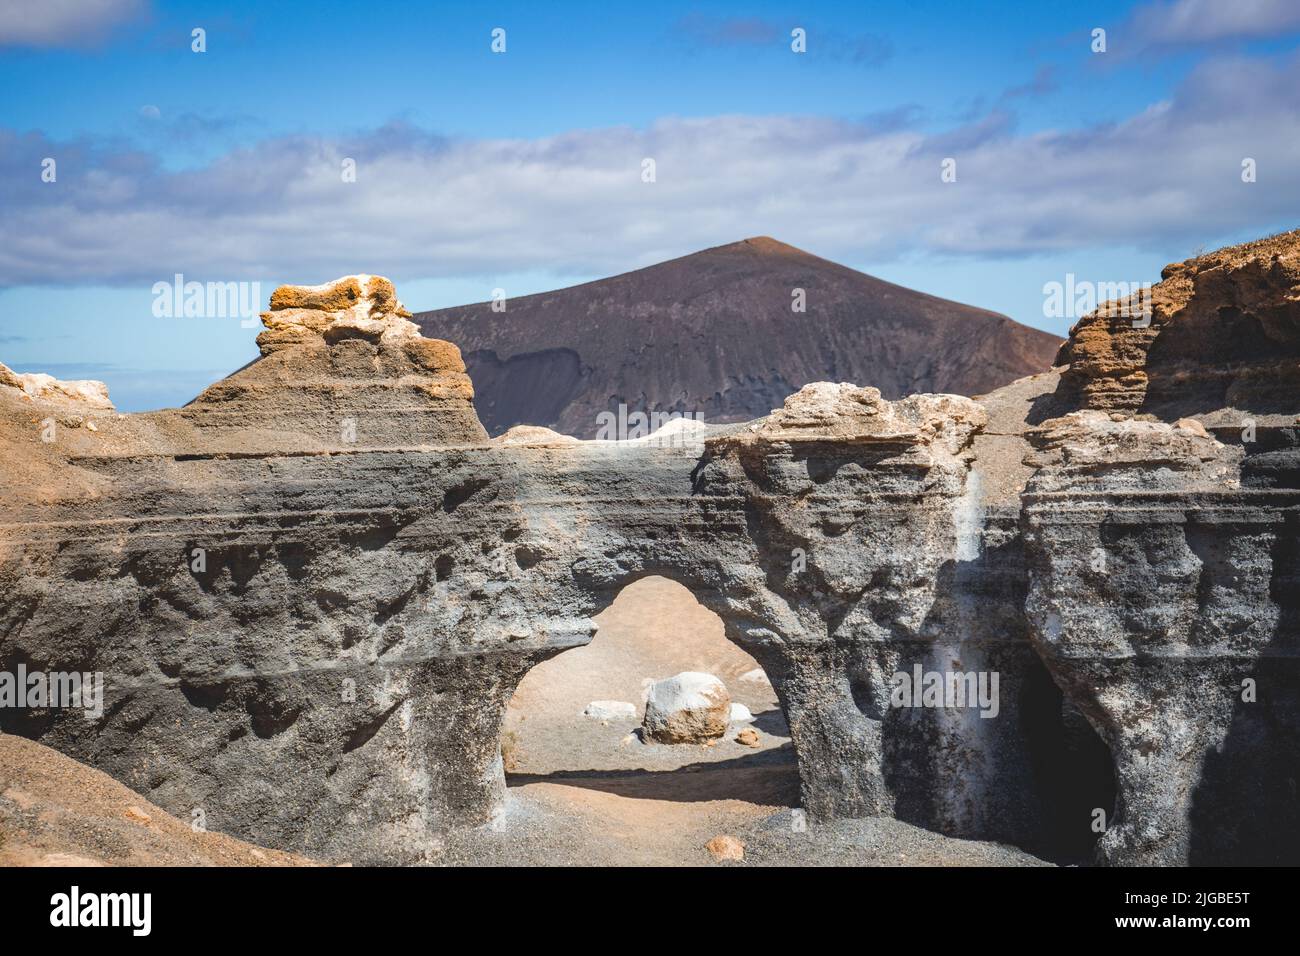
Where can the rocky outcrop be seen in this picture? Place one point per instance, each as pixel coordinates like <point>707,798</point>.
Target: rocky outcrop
<point>312,591</point>
<point>85,393</point>
<point>343,367</point>
<point>1164,559</point>
<point>1221,343</point>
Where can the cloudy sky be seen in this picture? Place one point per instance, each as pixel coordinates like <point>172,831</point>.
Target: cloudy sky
<point>523,169</point>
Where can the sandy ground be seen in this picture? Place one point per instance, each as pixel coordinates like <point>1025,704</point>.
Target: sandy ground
<point>57,812</point>
<point>576,825</point>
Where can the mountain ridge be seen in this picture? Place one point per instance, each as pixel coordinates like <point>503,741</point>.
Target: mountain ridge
<point>714,332</point>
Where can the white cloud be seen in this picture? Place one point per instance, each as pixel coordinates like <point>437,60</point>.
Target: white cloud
<point>62,23</point>
<point>1206,21</point>
<point>574,204</point>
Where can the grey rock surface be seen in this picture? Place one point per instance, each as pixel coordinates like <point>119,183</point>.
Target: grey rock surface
<point>313,590</point>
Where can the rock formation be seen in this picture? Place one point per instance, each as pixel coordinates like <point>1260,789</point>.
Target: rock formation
<point>82,392</point>
<point>313,590</point>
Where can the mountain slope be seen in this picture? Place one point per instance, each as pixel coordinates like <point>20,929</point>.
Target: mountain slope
<point>714,333</point>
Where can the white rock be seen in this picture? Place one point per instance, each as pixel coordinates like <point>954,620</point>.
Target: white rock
<point>756,676</point>
<point>740,714</point>
<point>610,710</point>
<point>688,708</point>
<point>86,392</point>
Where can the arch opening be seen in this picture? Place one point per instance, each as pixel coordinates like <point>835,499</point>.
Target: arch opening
<point>632,798</point>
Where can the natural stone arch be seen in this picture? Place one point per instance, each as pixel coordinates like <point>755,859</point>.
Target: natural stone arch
<point>430,567</point>
<point>654,627</point>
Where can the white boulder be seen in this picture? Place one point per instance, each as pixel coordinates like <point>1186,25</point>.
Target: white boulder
<point>689,708</point>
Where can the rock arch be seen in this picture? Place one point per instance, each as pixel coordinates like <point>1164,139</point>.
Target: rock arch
<point>313,589</point>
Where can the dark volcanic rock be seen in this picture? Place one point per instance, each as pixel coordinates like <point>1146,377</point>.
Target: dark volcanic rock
<point>332,676</point>
<point>714,334</point>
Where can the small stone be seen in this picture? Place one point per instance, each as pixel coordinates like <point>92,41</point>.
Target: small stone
<point>725,847</point>
<point>740,714</point>
<point>756,676</point>
<point>610,710</point>
<point>136,815</point>
<point>748,737</point>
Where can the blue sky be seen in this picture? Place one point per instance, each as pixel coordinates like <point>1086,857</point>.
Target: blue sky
<point>521,170</point>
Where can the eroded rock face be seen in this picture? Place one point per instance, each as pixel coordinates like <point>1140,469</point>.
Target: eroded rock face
<point>342,367</point>
<point>313,590</point>
<point>1164,603</point>
<point>1092,450</point>
<point>1222,342</point>
<point>1164,559</point>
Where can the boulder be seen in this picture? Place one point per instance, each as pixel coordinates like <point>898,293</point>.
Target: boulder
<point>690,708</point>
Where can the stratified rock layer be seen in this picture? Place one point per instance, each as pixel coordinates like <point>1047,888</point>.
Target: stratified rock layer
<point>1222,342</point>
<point>1165,561</point>
<point>313,590</point>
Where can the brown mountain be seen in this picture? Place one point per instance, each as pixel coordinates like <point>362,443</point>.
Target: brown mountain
<point>715,333</point>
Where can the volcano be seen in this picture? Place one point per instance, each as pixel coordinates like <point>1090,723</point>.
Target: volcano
<point>726,334</point>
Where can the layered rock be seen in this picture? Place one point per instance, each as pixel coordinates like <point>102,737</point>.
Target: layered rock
<point>1221,343</point>
<point>1163,600</point>
<point>309,629</point>
<point>342,365</point>
<point>1164,560</point>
